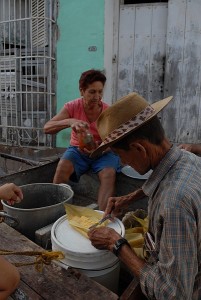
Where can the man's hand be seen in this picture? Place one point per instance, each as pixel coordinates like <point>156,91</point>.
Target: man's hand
<point>103,238</point>
<point>187,147</point>
<point>194,148</point>
<point>11,193</point>
<point>115,205</point>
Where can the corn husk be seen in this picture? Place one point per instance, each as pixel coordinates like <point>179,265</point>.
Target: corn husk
<point>138,218</point>
<point>139,252</point>
<point>135,239</point>
<point>135,229</point>
<point>81,218</point>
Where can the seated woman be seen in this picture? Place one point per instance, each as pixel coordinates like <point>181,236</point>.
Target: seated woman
<point>9,275</point>
<point>81,115</point>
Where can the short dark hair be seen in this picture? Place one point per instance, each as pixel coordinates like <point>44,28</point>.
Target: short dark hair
<point>151,131</point>
<point>90,76</point>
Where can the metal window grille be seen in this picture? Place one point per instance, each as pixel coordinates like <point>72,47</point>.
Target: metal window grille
<point>141,1</point>
<point>27,71</point>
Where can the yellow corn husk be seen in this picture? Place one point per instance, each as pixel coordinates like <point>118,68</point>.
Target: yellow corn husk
<point>135,239</point>
<point>136,243</point>
<point>133,235</point>
<point>81,218</point>
<point>136,218</point>
<point>79,211</point>
<point>81,222</point>
<point>144,222</point>
<point>135,230</point>
<point>139,252</point>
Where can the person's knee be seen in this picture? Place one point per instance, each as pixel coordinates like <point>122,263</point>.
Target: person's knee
<point>107,174</point>
<point>63,171</point>
<point>10,280</point>
<point>16,279</point>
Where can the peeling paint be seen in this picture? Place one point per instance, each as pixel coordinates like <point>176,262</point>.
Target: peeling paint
<point>123,74</point>
<point>159,61</point>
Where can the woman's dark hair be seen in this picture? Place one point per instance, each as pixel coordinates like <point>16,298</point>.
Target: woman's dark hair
<point>90,76</point>
<point>151,131</point>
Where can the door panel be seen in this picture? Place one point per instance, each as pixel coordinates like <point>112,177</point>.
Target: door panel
<point>181,118</point>
<point>141,56</point>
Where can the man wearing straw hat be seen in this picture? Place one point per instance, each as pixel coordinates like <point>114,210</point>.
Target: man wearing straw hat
<point>131,128</point>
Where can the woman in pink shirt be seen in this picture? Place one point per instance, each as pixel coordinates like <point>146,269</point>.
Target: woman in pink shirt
<point>81,114</point>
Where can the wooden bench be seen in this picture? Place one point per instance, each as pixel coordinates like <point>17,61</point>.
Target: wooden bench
<point>53,282</point>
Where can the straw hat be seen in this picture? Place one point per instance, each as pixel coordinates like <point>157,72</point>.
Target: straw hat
<point>126,115</point>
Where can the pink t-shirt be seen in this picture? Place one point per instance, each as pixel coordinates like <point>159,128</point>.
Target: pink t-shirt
<point>76,111</point>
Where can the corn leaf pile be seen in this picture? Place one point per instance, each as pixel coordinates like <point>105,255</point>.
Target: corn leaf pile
<point>81,218</point>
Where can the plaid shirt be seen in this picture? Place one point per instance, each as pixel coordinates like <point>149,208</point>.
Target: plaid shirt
<point>174,191</point>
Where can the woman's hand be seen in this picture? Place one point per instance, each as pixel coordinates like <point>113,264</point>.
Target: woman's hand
<point>89,151</point>
<point>11,193</point>
<point>79,126</point>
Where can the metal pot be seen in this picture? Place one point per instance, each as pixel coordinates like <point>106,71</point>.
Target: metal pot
<point>11,221</point>
<point>42,205</point>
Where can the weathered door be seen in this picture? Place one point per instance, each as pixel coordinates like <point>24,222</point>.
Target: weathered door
<point>182,118</point>
<point>159,55</point>
<point>141,56</point>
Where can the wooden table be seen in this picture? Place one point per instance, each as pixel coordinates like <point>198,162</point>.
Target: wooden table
<point>54,282</point>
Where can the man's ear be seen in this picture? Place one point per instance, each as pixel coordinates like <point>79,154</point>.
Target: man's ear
<point>81,92</point>
<point>139,147</point>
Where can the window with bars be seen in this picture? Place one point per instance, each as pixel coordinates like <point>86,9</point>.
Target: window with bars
<point>27,64</point>
<point>39,24</point>
<point>142,1</point>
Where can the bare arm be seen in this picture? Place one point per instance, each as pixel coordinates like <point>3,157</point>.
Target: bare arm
<point>58,122</point>
<point>61,121</point>
<point>131,260</point>
<point>194,148</point>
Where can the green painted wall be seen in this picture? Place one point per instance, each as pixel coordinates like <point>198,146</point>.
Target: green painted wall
<point>80,25</point>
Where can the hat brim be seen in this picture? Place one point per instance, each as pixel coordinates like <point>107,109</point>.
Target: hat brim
<point>157,107</point>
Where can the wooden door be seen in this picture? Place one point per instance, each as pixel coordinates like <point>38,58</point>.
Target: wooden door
<point>141,55</point>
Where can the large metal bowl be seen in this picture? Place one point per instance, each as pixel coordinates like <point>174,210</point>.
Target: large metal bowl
<point>43,204</point>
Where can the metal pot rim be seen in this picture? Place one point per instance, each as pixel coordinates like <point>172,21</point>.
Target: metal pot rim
<point>31,209</point>
<point>42,207</point>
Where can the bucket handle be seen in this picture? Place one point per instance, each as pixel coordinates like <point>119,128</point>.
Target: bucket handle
<point>61,264</point>
<point>66,185</point>
<point>9,220</point>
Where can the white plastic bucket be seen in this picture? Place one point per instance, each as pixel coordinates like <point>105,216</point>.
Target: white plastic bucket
<point>101,265</point>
